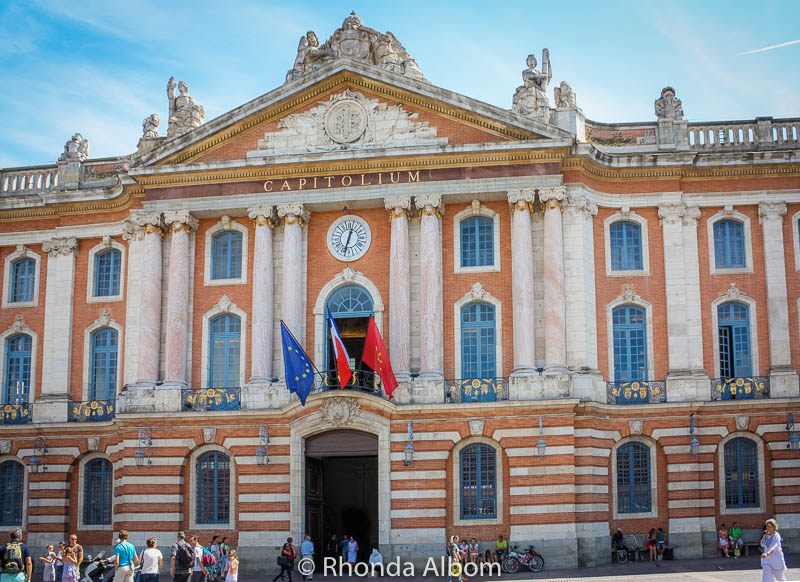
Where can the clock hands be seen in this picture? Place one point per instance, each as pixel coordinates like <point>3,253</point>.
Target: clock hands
<point>349,236</point>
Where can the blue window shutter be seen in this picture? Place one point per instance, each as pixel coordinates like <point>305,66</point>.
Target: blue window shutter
<point>12,492</point>
<point>630,344</point>
<point>23,278</point>
<point>477,241</point>
<point>478,341</point>
<point>729,251</point>
<point>478,482</point>
<point>97,492</point>
<point>105,349</point>
<point>18,369</point>
<point>735,360</point>
<point>741,473</point>
<point>107,273</point>
<point>633,478</point>
<point>213,488</point>
<point>223,353</point>
<point>226,255</point>
<point>626,246</point>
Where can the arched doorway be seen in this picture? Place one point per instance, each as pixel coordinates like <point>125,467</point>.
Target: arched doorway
<point>351,307</point>
<point>341,490</point>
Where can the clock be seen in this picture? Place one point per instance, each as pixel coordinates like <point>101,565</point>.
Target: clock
<point>349,238</point>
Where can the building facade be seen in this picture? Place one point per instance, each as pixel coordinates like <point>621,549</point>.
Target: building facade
<point>593,325</point>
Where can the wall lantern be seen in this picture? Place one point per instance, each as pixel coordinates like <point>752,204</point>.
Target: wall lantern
<point>694,444</point>
<point>144,442</point>
<point>408,451</point>
<point>541,446</point>
<point>262,453</point>
<point>793,441</point>
<point>39,448</point>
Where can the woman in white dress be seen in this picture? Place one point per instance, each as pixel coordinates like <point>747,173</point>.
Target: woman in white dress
<point>772,562</point>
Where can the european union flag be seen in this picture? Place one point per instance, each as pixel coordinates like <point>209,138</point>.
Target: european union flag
<point>296,365</point>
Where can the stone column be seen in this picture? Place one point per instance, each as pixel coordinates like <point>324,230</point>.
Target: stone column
<point>522,281</point>
<point>181,223</point>
<point>293,289</point>
<point>430,209</point>
<point>57,348</point>
<point>261,366</point>
<point>399,288</point>
<point>783,379</point>
<point>555,331</point>
<point>150,300</point>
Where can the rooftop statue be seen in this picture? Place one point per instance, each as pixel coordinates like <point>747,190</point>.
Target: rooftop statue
<point>76,148</point>
<point>564,95</point>
<point>669,106</point>
<point>531,97</point>
<point>355,41</point>
<point>184,112</point>
<point>150,126</point>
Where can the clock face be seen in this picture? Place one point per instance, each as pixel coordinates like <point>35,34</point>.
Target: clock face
<point>349,238</point>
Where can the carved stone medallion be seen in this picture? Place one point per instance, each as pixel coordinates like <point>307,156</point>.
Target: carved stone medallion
<point>5,446</point>
<point>340,411</point>
<point>93,443</point>
<point>636,426</point>
<point>209,435</point>
<point>476,427</point>
<point>346,121</point>
<point>742,422</point>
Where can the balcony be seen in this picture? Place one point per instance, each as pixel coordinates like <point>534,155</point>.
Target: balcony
<point>362,381</point>
<point>463,390</point>
<point>636,392</point>
<point>210,399</point>
<point>742,388</point>
<point>92,411</point>
<point>17,413</point>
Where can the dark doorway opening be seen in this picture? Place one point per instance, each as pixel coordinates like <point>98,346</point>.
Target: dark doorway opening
<point>342,490</point>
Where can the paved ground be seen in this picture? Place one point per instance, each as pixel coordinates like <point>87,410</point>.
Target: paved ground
<point>706,570</point>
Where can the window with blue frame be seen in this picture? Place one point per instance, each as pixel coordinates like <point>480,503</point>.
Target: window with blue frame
<point>729,251</point>
<point>630,344</point>
<point>106,273</point>
<point>478,482</point>
<point>626,246</point>
<point>97,490</point>
<point>633,478</point>
<point>477,242</point>
<point>741,473</point>
<point>213,487</point>
<point>18,369</point>
<point>12,492</point>
<point>478,341</point>
<point>226,255</point>
<point>735,360</point>
<point>350,301</point>
<point>224,351</point>
<point>23,278</point>
<point>103,381</point>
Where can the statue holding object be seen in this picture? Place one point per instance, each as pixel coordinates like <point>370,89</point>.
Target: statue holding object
<point>184,112</point>
<point>530,98</point>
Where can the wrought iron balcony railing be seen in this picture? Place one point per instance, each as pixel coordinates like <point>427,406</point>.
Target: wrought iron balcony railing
<point>636,392</point>
<point>205,399</point>
<point>17,413</point>
<point>92,411</point>
<point>362,381</point>
<point>742,388</point>
<point>475,390</point>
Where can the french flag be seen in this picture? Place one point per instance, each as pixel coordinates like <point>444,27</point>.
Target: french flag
<point>340,352</point>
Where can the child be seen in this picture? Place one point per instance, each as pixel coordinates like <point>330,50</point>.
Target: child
<point>232,567</point>
<point>70,566</point>
<point>49,560</point>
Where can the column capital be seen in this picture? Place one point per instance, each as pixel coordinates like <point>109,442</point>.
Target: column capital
<point>143,223</point>
<point>771,211</point>
<point>61,247</point>
<point>397,206</point>
<point>293,213</point>
<point>692,216</point>
<point>262,215</point>
<point>551,197</point>
<point>429,204</point>
<point>579,203</point>
<point>177,220</point>
<point>522,199</point>
<point>671,213</point>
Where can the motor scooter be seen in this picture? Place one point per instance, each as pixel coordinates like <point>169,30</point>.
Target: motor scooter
<point>100,569</point>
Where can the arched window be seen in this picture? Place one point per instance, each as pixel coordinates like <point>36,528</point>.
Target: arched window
<point>734,340</point>
<point>18,369</point>
<point>106,273</point>
<point>477,241</point>
<point>103,380</point>
<point>213,487</point>
<point>226,255</point>
<point>350,301</point>
<point>23,278</point>
<point>12,491</point>
<point>478,482</point>
<point>741,473</point>
<point>478,342</point>
<point>626,246</point>
<point>630,344</point>
<point>633,478</point>
<point>97,490</point>
<point>729,251</point>
<point>224,351</point>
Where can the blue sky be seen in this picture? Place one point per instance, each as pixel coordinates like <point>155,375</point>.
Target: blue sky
<point>100,67</point>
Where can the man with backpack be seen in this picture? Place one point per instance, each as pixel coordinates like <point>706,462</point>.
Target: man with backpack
<point>199,571</point>
<point>181,562</point>
<point>15,559</point>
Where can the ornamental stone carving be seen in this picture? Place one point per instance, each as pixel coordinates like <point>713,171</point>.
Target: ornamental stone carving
<point>349,274</point>
<point>397,206</point>
<point>177,220</point>
<point>150,126</point>
<point>76,149</point>
<point>224,305</point>
<point>104,320</point>
<point>477,292</point>
<point>142,223</point>
<point>476,427</point>
<point>261,215</point>
<point>5,446</point>
<point>61,247</point>
<point>671,213</point>
<point>530,98</point>
<point>209,435</point>
<point>635,426</point>
<point>579,203</point>
<point>771,211</point>
<point>628,296</point>
<point>292,212</point>
<point>18,326</point>
<point>522,199</point>
<point>340,411</point>
<point>692,216</point>
<point>345,121</point>
<point>733,294</point>
<point>668,106</point>
<point>354,41</point>
<point>742,422</point>
<point>552,197</point>
<point>564,95</point>
<point>184,112</point>
<point>92,443</point>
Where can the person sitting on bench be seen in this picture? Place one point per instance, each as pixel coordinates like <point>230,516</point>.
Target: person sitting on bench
<point>735,539</point>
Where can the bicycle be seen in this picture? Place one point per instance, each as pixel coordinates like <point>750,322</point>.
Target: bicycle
<point>630,550</point>
<point>530,559</point>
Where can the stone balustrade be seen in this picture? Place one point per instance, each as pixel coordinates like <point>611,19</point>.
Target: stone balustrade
<point>744,135</point>
<point>30,179</point>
